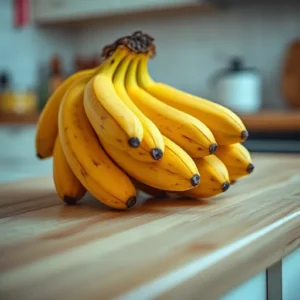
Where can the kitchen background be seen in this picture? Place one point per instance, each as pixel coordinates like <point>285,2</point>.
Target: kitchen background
<point>44,41</point>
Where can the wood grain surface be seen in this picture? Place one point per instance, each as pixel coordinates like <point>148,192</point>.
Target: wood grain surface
<point>273,121</point>
<point>162,249</point>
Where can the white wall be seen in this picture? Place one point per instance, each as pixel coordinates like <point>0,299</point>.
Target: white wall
<point>22,49</point>
<point>193,45</point>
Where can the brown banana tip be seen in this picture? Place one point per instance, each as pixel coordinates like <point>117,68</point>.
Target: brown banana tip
<point>213,148</point>
<point>131,202</point>
<point>156,153</point>
<point>244,135</point>
<point>250,168</point>
<point>225,186</point>
<point>195,180</point>
<point>39,156</point>
<point>134,142</point>
<point>70,200</point>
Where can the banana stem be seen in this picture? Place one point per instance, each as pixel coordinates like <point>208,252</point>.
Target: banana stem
<point>143,70</point>
<point>110,65</point>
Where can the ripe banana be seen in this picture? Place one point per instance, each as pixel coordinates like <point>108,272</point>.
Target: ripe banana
<point>176,171</point>
<point>186,131</point>
<point>214,177</point>
<point>110,117</point>
<point>152,141</point>
<point>88,161</point>
<point>225,125</point>
<point>47,127</point>
<point>67,185</point>
<point>237,160</point>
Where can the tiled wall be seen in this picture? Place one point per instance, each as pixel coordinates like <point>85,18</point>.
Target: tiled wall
<point>23,49</point>
<point>193,45</point>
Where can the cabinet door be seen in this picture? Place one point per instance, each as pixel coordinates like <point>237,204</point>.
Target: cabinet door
<point>254,288</point>
<point>17,154</point>
<point>55,10</point>
<point>291,276</point>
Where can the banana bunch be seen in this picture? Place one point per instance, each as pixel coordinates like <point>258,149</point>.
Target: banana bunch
<point>112,130</point>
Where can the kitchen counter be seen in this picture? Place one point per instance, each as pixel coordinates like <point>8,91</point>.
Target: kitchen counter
<point>167,248</point>
<point>273,121</point>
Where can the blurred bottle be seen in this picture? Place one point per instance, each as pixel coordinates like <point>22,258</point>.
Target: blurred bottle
<point>87,62</point>
<point>56,74</point>
<point>16,100</point>
<point>5,93</point>
<point>49,79</point>
<point>42,86</point>
<point>24,101</point>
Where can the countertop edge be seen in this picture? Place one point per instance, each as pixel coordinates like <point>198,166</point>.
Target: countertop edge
<point>252,254</point>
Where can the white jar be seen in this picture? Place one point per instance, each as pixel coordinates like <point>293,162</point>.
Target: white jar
<point>238,88</point>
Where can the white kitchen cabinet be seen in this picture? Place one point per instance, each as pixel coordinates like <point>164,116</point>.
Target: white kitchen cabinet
<point>47,11</point>
<point>254,288</point>
<point>17,154</point>
<point>291,276</point>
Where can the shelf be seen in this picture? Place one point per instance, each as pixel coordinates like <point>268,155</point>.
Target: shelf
<point>273,121</point>
<point>6,119</point>
<point>60,12</point>
<point>264,121</point>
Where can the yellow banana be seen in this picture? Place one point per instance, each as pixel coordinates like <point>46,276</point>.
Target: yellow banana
<point>186,131</point>
<point>88,161</point>
<point>47,127</point>
<point>214,177</point>
<point>110,117</point>
<point>237,160</point>
<point>226,126</point>
<point>67,185</point>
<point>152,140</point>
<point>176,171</point>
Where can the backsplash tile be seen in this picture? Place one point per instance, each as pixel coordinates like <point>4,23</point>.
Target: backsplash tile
<point>193,45</point>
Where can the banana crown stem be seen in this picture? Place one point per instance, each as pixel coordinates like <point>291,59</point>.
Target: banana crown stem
<point>120,74</point>
<point>110,65</point>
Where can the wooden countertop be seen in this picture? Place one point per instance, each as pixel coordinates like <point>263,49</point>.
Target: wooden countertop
<point>273,121</point>
<point>167,248</point>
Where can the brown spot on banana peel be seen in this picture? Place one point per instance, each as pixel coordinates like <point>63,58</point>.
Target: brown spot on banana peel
<point>187,138</point>
<point>96,163</point>
<point>82,169</point>
<point>173,173</point>
<point>213,179</point>
<point>83,173</point>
